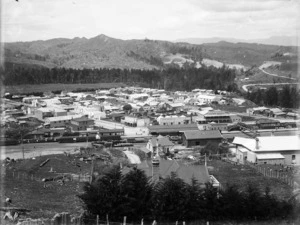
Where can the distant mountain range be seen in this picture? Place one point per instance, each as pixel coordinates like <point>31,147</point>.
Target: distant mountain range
<point>274,40</point>
<point>103,51</point>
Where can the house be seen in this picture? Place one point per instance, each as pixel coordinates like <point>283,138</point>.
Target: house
<point>186,173</point>
<point>159,144</point>
<point>291,115</point>
<point>173,130</point>
<point>44,133</point>
<point>60,121</point>
<point>217,117</point>
<point>201,138</point>
<point>134,121</point>
<point>274,112</point>
<point>43,113</point>
<point>173,120</point>
<point>268,150</point>
<point>116,116</point>
<point>82,123</point>
<point>207,98</point>
<point>256,111</point>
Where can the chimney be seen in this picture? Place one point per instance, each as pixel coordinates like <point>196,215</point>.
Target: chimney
<point>257,143</point>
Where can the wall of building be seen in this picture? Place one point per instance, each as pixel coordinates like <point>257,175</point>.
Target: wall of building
<point>270,161</point>
<point>176,120</point>
<point>144,122</point>
<point>200,142</point>
<point>288,157</point>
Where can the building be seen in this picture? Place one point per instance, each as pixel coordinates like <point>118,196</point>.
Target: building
<point>159,144</point>
<point>186,173</point>
<point>201,138</point>
<point>43,113</point>
<point>60,121</point>
<point>268,150</point>
<point>134,121</point>
<point>82,123</point>
<point>173,130</point>
<point>173,120</point>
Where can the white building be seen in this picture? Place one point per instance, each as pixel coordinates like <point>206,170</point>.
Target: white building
<point>173,120</point>
<point>268,150</point>
<point>136,121</point>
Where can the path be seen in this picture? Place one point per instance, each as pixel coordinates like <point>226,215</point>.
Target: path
<point>245,87</point>
<point>37,149</point>
<point>276,75</point>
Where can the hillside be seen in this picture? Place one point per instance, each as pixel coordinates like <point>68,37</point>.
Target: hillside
<point>273,40</point>
<point>106,52</point>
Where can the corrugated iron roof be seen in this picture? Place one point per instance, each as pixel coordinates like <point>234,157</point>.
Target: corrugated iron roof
<point>203,134</point>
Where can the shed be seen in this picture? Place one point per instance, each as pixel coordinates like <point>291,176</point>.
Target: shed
<point>194,138</point>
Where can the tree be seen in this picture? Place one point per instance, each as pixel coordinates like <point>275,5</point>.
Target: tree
<point>103,196</point>
<point>136,192</point>
<point>271,97</point>
<point>127,107</point>
<point>285,97</point>
<point>169,199</point>
<point>195,201</point>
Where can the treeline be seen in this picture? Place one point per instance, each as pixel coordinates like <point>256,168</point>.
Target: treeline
<point>113,195</point>
<point>169,79</point>
<point>287,97</point>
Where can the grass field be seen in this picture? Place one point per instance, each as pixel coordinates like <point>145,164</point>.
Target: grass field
<point>23,182</point>
<point>23,89</point>
<point>241,176</point>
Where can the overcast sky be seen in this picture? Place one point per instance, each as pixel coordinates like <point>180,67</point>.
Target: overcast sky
<point>28,20</point>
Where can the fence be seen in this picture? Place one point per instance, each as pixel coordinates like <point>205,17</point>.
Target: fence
<point>66,219</point>
<point>26,176</point>
<point>267,172</point>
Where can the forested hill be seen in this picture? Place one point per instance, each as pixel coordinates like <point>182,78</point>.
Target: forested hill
<point>169,79</point>
<point>106,52</point>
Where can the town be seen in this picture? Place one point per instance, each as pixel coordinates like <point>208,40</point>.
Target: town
<point>149,112</point>
<point>160,132</point>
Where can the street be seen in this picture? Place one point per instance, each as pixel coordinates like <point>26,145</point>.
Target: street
<point>38,149</point>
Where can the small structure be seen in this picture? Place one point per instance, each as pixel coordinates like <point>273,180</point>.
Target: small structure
<point>81,123</point>
<point>159,144</point>
<point>196,138</point>
<point>268,150</point>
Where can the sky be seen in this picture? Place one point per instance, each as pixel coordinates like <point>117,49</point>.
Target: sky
<point>27,20</point>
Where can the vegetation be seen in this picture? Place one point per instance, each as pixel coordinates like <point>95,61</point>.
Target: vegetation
<point>171,199</point>
<point>170,79</point>
<point>288,97</point>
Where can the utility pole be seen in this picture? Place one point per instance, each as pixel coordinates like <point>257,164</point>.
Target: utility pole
<point>23,152</point>
<point>92,170</point>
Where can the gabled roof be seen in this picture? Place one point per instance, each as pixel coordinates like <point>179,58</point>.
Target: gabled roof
<point>202,134</point>
<point>161,141</point>
<point>172,128</point>
<point>166,167</point>
<point>272,143</point>
<point>270,156</point>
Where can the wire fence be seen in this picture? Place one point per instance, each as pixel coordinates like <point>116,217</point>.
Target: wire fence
<point>18,175</point>
<point>271,173</point>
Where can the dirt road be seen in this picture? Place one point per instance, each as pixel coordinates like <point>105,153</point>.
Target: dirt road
<point>37,149</point>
